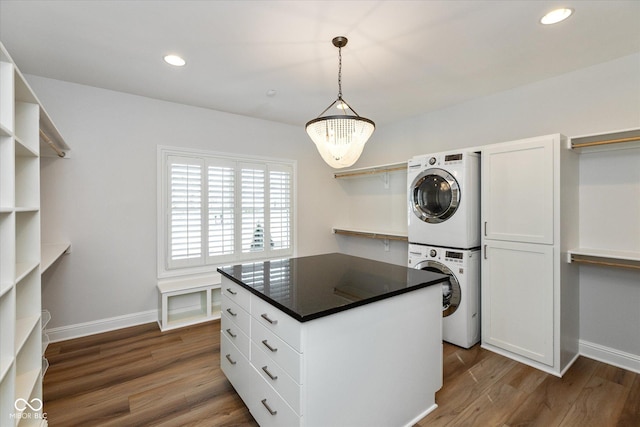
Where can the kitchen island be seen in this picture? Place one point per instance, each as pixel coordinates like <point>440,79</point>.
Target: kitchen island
<point>332,340</point>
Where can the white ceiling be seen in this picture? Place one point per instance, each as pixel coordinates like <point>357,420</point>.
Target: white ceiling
<point>403,58</point>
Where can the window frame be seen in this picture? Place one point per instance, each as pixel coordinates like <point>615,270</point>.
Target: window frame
<point>208,264</point>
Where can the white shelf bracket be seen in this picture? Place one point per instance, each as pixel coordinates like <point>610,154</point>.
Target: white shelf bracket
<point>385,179</point>
<point>387,245</point>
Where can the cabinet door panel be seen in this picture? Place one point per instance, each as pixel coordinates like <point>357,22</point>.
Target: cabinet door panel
<point>517,190</point>
<point>517,299</point>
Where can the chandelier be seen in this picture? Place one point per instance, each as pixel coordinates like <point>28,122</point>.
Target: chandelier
<point>340,138</point>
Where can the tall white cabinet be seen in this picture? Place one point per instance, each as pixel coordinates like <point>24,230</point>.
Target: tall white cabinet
<point>21,361</point>
<point>530,300</point>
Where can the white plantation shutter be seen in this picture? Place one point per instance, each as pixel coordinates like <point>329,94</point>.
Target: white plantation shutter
<point>252,182</point>
<point>221,203</point>
<point>218,209</point>
<point>280,206</point>
<point>185,211</point>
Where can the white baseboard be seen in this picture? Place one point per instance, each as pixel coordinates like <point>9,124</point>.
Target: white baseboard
<point>611,356</point>
<point>103,325</point>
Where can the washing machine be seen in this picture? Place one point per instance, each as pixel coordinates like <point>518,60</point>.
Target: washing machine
<point>444,199</point>
<point>460,295</point>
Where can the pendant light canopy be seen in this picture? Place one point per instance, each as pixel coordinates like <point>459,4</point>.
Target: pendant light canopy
<point>340,138</point>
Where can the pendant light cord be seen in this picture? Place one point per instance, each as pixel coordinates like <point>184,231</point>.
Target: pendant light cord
<point>340,73</point>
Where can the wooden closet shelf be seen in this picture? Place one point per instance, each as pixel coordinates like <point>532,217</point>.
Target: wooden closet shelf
<point>606,258</point>
<point>371,170</point>
<point>371,234</point>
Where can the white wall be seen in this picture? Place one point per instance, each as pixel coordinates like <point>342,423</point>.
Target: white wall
<point>103,198</point>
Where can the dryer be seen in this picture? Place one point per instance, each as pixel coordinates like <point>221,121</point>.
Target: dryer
<point>460,295</point>
<point>444,199</point>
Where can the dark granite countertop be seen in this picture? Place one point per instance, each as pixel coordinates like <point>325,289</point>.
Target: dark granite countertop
<point>307,288</point>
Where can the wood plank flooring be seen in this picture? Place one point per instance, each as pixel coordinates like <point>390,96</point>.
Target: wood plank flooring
<point>142,377</point>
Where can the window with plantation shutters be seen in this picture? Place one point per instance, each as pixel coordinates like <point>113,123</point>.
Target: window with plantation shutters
<point>185,210</point>
<point>216,209</point>
<point>221,202</point>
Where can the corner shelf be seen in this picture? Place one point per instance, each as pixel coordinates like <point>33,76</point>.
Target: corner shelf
<point>51,252</point>
<point>606,258</point>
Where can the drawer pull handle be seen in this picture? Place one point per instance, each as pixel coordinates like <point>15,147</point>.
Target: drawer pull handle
<point>265,317</point>
<point>231,312</point>
<point>266,344</point>
<point>266,371</point>
<point>231,291</point>
<point>231,333</point>
<point>233,362</point>
<point>271,411</point>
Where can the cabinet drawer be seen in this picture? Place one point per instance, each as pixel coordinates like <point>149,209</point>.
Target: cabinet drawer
<point>277,322</point>
<point>237,314</point>
<point>236,368</point>
<point>268,407</point>
<point>277,350</point>
<point>236,293</point>
<point>234,334</point>
<point>276,377</point>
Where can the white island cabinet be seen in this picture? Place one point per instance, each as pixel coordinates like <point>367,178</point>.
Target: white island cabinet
<point>376,363</point>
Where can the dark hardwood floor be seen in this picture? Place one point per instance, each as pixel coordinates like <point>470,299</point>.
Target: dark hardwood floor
<point>140,376</point>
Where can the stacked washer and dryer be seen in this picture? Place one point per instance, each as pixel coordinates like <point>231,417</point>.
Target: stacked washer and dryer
<point>444,235</point>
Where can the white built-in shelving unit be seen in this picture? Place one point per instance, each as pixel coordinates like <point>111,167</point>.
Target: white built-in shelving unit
<point>23,122</point>
<point>597,143</point>
<point>388,181</point>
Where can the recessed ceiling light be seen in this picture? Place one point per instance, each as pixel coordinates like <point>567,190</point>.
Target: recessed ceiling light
<point>174,60</point>
<point>556,16</point>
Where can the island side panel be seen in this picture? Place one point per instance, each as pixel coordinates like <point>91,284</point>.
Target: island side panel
<point>378,364</point>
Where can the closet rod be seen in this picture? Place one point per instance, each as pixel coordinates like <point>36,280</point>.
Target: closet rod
<point>51,144</point>
<point>605,142</point>
<point>604,263</point>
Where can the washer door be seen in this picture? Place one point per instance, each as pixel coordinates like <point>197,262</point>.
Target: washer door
<point>451,294</point>
<point>435,195</point>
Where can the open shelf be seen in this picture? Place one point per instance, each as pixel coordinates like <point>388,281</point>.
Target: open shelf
<point>372,234</point>
<point>606,258</point>
<point>372,170</point>
<point>50,253</point>
<point>23,122</point>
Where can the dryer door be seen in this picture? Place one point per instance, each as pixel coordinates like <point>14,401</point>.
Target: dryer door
<point>451,293</point>
<point>435,195</point>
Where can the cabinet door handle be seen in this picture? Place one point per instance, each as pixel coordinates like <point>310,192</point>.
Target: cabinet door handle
<point>265,317</point>
<point>231,291</point>
<point>266,344</point>
<point>231,312</point>
<point>271,411</point>
<point>231,333</point>
<point>233,362</point>
<point>485,251</point>
<point>485,229</point>
<point>266,371</point>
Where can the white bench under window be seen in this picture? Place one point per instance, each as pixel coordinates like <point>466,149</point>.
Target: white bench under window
<point>183,302</point>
